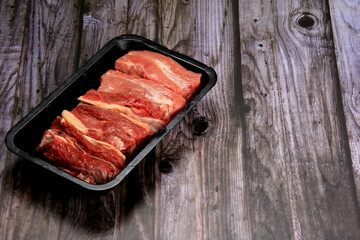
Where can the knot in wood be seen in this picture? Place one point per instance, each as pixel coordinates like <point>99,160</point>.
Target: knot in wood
<point>200,125</point>
<point>165,167</point>
<point>186,2</point>
<point>307,20</point>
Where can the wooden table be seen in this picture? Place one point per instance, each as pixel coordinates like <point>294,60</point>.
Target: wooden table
<point>272,152</point>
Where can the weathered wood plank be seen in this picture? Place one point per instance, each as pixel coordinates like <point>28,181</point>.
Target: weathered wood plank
<point>102,21</point>
<point>11,41</point>
<point>294,180</point>
<point>143,18</point>
<point>345,18</point>
<point>298,172</point>
<point>137,211</point>
<point>201,191</point>
<point>41,39</point>
<point>179,187</point>
<point>130,205</point>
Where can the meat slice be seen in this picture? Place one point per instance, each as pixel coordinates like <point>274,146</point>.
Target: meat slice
<point>81,176</point>
<point>108,126</point>
<point>141,93</point>
<point>161,69</point>
<point>140,99</point>
<point>97,147</point>
<point>65,152</point>
<point>115,102</point>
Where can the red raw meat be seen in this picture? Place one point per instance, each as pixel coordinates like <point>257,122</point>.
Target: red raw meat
<point>141,99</point>
<point>108,126</point>
<point>113,102</point>
<point>142,94</point>
<point>65,152</point>
<point>97,147</point>
<point>165,102</point>
<point>81,176</point>
<point>93,140</point>
<point>161,69</point>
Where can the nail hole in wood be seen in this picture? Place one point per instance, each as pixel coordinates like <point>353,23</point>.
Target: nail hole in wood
<point>200,125</point>
<point>165,167</point>
<point>306,21</point>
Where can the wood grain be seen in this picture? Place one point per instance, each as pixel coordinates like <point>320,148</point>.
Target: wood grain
<point>142,221</point>
<point>345,20</point>
<point>128,211</point>
<point>12,39</point>
<point>11,42</point>
<point>205,166</point>
<point>179,186</point>
<point>35,34</point>
<point>101,21</point>
<point>271,152</point>
<point>298,170</point>
<point>143,18</point>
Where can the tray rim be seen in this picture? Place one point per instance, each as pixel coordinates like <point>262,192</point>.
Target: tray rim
<point>154,140</point>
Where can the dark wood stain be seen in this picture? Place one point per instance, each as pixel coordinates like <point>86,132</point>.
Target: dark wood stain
<point>270,153</point>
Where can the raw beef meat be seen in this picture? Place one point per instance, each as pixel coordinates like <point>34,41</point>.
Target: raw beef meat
<point>65,152</point>
<point>143,97</point>
<point>149,91</point>
<point>97,147</point>
<point>116,102</point>
<point>94,140</point>
<point>160,68</point>
<point>107,126</point>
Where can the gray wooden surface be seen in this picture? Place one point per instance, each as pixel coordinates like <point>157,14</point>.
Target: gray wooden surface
<point>272,152</point>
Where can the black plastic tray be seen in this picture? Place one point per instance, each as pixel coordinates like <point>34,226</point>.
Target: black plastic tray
<point>24,137</point>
